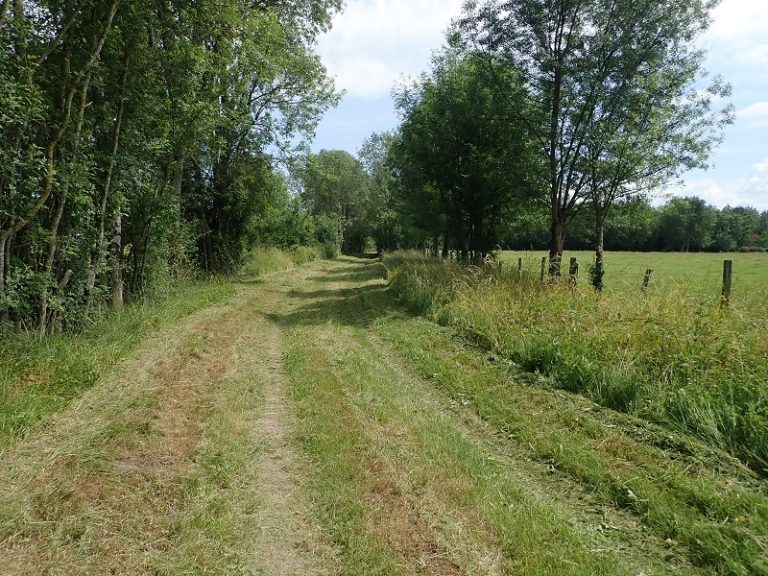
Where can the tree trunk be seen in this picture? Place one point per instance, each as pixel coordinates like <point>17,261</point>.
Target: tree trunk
<point>116,254</point>
<point>99,248</point>
<point>18,15</point>
<point>5,242</point>
<point>599,269</point>
<point>4,11</point>
<point>68,96</point>
<point>53,244</point>
<point>556,245</point>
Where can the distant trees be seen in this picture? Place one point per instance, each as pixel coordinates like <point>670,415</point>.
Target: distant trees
<point>352,200</point>
<point>610,95</point>
<point>336,190</point>
<point>384,216</point>
<point>137,141</point>
<point>682,224</point>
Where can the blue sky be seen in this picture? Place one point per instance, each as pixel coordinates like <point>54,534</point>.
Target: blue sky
<point>375,44</point>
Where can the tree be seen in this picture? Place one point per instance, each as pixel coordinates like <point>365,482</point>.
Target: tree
<point>686,224</point>
<point>594,70</point>
<point>462,154</point>
<point>140,138</point>
<point>376,156</point>
<point>336,187</point>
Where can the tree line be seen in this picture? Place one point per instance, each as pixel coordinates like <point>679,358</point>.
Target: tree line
<point>141,141</point>
<point>568,106</point>
<point>149,140</point>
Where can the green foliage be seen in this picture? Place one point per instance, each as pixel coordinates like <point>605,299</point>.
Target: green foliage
<point>134,144</point>
<point>613,94</point>
<point>633,224</point>
<point>463,156</point>
<point>337,191</point>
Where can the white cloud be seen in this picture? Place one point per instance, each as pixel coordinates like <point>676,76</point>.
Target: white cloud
<point>756,111</point>
<point>374,42</point>
<point>736,19</point>
<point>749,191</point>
<point>753,116</point>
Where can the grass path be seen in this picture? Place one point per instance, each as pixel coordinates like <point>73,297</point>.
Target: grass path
<point>308,426</point>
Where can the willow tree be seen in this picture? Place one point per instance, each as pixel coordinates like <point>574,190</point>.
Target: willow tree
<point>582,62</point>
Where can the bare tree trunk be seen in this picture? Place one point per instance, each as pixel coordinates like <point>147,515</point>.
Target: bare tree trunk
<point>116,254</point>
<point>99,248</point>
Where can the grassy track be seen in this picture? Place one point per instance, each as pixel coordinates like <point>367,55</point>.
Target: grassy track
<point>307,425</point>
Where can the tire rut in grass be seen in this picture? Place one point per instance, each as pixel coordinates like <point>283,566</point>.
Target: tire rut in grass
<point>287,542</point>
<point>179,463</point>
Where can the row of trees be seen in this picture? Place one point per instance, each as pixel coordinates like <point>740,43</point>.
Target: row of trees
<point>680,225</point>
<point>139,140</point>
<point>569,104</point>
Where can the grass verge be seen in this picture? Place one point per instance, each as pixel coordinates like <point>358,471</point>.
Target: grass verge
<point>40,376</point>
<point>701,504</point>
<point>680,361</point>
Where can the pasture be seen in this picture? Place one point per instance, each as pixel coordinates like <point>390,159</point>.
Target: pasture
<point>696,274</point>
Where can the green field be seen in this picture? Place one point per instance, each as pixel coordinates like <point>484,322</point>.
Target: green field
<point>694,273</point>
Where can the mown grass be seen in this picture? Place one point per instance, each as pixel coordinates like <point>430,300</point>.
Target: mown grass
<point>399,482</point>
<point>41,376</point>
<point>669,357</point>
<point>698,502</point>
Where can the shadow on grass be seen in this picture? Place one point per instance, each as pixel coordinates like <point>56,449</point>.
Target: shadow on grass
<point>359,305</point>
<point>358,272</point>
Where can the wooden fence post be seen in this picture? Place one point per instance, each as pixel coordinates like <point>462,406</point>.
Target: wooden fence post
<point>520,267</point>
<point>727,276</point>
<point>543,267</point>
<point>647,278</point>
<point>573,271</point>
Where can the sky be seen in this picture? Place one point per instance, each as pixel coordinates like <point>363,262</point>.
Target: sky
<point>375,44</point>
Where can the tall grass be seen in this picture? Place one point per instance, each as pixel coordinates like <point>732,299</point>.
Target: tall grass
<point>674,358</point>
<point>265,260</point>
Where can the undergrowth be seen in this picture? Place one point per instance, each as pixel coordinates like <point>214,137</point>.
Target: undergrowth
<point>672,358</point>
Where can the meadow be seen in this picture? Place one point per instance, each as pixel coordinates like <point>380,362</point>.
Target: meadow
<point>698,273</point>
<point>673,356</point>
